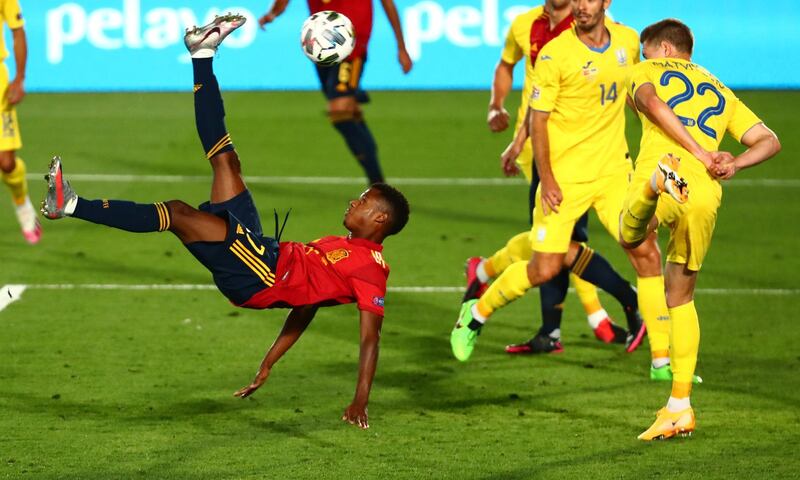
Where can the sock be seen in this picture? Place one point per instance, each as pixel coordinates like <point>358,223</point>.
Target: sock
<point>595,318</point>
<point>592,267</point>
<point>509,286</point>
<point>659,362</point>
<point>685,341</point>
<point>480,272</point>
<point>675,404</point>
<point>361,144</point>
<point>517,248</point>
<point>552,295</point>
<point>638,211</point>
<point>477,319</point>
<point>17,183</point>
<point>587,293</point>
<point>653,307</point>
<point>128,216</point>
<point>209,111</point>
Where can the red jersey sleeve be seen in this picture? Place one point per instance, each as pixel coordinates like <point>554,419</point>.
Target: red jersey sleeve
<point>369,287</point>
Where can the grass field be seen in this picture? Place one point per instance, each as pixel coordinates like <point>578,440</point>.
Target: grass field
<point>124,383</point>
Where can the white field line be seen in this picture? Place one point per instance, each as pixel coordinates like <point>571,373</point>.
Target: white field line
<point>10,294</point>
<point>398,289</point>
<point>480,182</point>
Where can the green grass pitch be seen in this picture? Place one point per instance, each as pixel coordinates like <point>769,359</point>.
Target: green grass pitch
<point>138,384</point>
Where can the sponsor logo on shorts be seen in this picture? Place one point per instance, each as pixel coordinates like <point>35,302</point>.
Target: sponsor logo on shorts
<point>377,301</point>
<point>540,234</point>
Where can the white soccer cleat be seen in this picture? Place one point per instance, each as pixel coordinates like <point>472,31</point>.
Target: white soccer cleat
<point>202,42</point>
<point>31,229</point>
<point>60,197</point>
<point>666,180</point>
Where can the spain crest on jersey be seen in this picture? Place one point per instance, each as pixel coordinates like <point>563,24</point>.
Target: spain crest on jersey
<point>336,255</point>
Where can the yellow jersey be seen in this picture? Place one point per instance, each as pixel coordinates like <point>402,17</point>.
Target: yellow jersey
<point>583,89</point>
<point>10,14</point>
<point>517,47</point>
<point>705,106</point>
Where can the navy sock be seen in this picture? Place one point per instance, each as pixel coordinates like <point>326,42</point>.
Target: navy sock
<point>592,267</point>
<point>209,111</point>
<point>128,216</point>
<point>552,294</point>
<point>362,145</point>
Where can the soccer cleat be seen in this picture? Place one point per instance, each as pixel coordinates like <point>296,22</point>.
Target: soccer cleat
<point>667,179</point>
<point>31,229</point>
<point>539,344</point>
<point>463,338</point>
<point>609,332</point>
<point>475,287</point>
<point>664,374</point>
<point>669,424</point>
<point>208,37</point>
<point>635,335</point>
<point>59,192</point>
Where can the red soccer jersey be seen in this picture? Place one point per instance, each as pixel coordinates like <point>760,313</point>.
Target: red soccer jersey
<point>358,11</point>
<point>541,33</point>
<point>328,271</point>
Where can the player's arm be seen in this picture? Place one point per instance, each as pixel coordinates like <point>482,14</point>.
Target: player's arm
<point>356,412</point>
<point>394,20</point>
<point>501,85</point>
<point>296,322</point>
<point>508,159</point>
<point>278,6</point>
<point>763,144</point>
<point>16,89</point>
<point>551,192</point>
<point>663,117</point>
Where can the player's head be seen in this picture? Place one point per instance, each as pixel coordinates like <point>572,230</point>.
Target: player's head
<point>589,13</point>
<point>377,213</point>
<point>557,4</point>
<point>669,38</point>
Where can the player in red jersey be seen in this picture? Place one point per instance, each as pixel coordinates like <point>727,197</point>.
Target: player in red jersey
<point>225,235</point>
<point>340,83</point>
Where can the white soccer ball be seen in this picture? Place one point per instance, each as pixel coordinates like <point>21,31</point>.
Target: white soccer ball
<point>327,37</point>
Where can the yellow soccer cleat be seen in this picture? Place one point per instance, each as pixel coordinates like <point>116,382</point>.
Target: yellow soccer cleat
<point>669,424</point>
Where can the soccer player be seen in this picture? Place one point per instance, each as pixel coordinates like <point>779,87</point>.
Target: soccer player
<point>529,32</point>
<point>578,135</point>
<point>225,235</point>
<point>341,83</point>
<point>12,168</point>
<point>685,112</point>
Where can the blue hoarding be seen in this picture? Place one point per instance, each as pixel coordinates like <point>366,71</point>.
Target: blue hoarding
<point>102,45</point>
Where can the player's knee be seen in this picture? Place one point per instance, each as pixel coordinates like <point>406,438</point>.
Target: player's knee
<point>7,161</point>
<point>540,272</point>
<point>228,160</point>
<point>342,108</point>
<point>179,212</point>
<point>646,257</point>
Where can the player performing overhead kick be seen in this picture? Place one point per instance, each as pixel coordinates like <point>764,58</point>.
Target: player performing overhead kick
<point>225,235</point>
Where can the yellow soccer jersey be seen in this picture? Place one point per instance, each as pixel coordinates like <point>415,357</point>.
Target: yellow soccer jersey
<point>517,47</point>
<point>11,14</point>
<point>584,91</point>
<point>705,106</point>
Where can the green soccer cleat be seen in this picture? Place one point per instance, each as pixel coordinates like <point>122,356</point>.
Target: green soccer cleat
<point>664,374</point>
<point>462,338</point>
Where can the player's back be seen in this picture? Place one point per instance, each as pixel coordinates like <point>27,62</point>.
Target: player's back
<point>705,106</point>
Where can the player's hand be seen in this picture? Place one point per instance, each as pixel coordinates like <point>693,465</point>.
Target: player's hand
<point>508,159</point>
<point>551,195</point>
<point>265,19</point>
<point>16,92</point>
<point>405,60</point>
<point>259,380</point>
<point>497,119</point>
<point>723,165</point>
<point>356,414</point>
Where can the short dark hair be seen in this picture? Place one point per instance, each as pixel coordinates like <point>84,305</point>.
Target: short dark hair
<point>671,30</point>
<point>397,205</point>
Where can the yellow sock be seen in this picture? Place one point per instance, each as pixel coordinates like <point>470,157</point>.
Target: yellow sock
<point>517,249</point>
<point>15,179</point>
<point>587,293</point>
<point>509,286</point>
<point>636,215</point>
<point>685,337</point>
<point>656,316</point>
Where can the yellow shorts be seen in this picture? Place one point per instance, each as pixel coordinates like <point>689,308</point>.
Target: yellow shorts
<point>691,224</point>
<point>10,138</point>
<point>552,233</point>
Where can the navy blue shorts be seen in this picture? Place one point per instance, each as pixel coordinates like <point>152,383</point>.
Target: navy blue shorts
<point>245,262</point>
<point>343,80</point>
<point>580,233</point>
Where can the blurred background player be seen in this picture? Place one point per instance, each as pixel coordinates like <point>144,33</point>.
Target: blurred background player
<point>529,32</point>
<point>341,83</point>
<point>225,235</point>
<point>677,137</point>
<point>578,134</point>
<point>12,167</point>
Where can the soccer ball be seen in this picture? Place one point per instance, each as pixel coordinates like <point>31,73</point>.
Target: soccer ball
<point>327,38</point>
